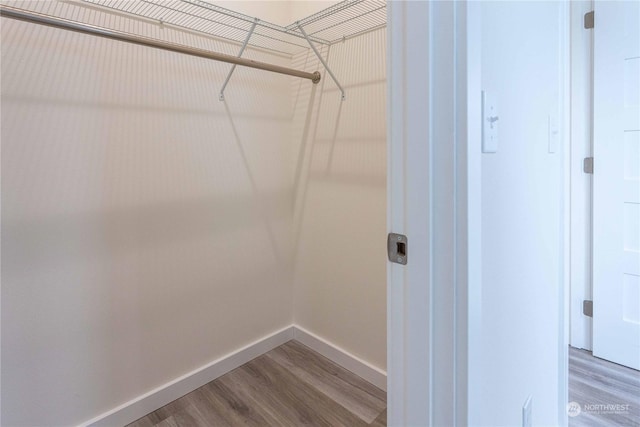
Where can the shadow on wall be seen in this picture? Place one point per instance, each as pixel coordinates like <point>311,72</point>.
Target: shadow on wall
<point>343,148</point>
<point>136,208</point>
<point>263,205</point>
<point>340,198</point>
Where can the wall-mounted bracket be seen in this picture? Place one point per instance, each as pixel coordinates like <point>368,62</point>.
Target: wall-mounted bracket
<point>244,45</point>
<point>324,64</point>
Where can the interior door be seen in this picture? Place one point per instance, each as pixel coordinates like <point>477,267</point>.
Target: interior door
<point>616,191</point>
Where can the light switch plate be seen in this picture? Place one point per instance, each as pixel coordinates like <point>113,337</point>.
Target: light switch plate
<point>490,120</point>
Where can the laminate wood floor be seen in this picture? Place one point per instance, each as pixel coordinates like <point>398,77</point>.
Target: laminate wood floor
<point>595,383</point>
<point>291,385</point>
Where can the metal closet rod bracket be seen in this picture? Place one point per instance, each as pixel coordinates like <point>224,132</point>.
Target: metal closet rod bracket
<point>233,68</point>
<point>324,64</point>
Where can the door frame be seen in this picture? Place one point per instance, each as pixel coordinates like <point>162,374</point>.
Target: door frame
<point>430,324</point>
<point>581,184</point>
<point>427,342</point>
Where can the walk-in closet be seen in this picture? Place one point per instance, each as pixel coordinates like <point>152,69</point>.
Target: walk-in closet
<point>193,213</point>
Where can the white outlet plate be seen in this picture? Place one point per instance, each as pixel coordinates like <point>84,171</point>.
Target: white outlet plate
<point>490,119</point>
<point>526,413</point>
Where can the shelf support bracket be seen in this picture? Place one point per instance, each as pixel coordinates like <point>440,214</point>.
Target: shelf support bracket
<point>324,64</point>
<point>244,45</point>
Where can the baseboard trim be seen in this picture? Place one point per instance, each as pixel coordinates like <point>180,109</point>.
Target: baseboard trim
<point>341,357</point>
<point>157,398</point>
<point>166,393</point>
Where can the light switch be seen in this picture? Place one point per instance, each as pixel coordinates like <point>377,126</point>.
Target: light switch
<point>489,124</point>
<point>554,133</point>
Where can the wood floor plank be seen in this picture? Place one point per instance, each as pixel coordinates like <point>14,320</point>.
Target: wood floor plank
<point>290,386</point>
<point>188,417</point>
<point>381,420</point>
<point>609,377</point>
<point>167,422</point>
<point>343,387</point>
<point>602,391</point>
<point>610,380</point>
<point>230,405</point>
<point>631,376</point>
<point>588,420</point>
<point>586,394</point>
<point>168,410</point>
<point>594,381</point>
<point>206,411</point>
<point>278,390</point>
<point>311,357</point>
<point>142,422</point>
<point>276,407</point>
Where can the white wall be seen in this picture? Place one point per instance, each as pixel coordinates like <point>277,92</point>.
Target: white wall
<point>340,216</point>
<point>302,8</point>
<point>148,229</point>
<point>519,333</point>
<point>145,224</point>
<point>280,12</point>
<point>275,11</point>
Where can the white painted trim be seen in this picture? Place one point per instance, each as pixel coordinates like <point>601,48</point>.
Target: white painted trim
<point>160,396</point>
<point>474,202</point>
<point>409,316</point>
<point>581,190</point>
<point>429,200</point>
<point>468,201</point>
<point>374,375</point>
<point>166,393</point>
<point>395,213</point>
<point>564,109</point>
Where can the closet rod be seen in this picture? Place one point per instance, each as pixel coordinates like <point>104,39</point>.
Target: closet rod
<point>39,18</point>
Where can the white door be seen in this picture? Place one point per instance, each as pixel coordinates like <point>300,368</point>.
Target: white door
<point>616,191</point>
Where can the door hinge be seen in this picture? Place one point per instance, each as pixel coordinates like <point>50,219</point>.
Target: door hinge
<point>587,165</point>
<point>587,308</point>
<point>397,248</point>
<point>589,20</point>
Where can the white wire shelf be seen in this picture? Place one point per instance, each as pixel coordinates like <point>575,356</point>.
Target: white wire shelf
<point>207,18</point>
<point>343,20</point>
<point>337,23</point>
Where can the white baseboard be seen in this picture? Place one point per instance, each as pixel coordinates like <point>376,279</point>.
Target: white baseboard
<point>157,398</point>
<point>341,357</point>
